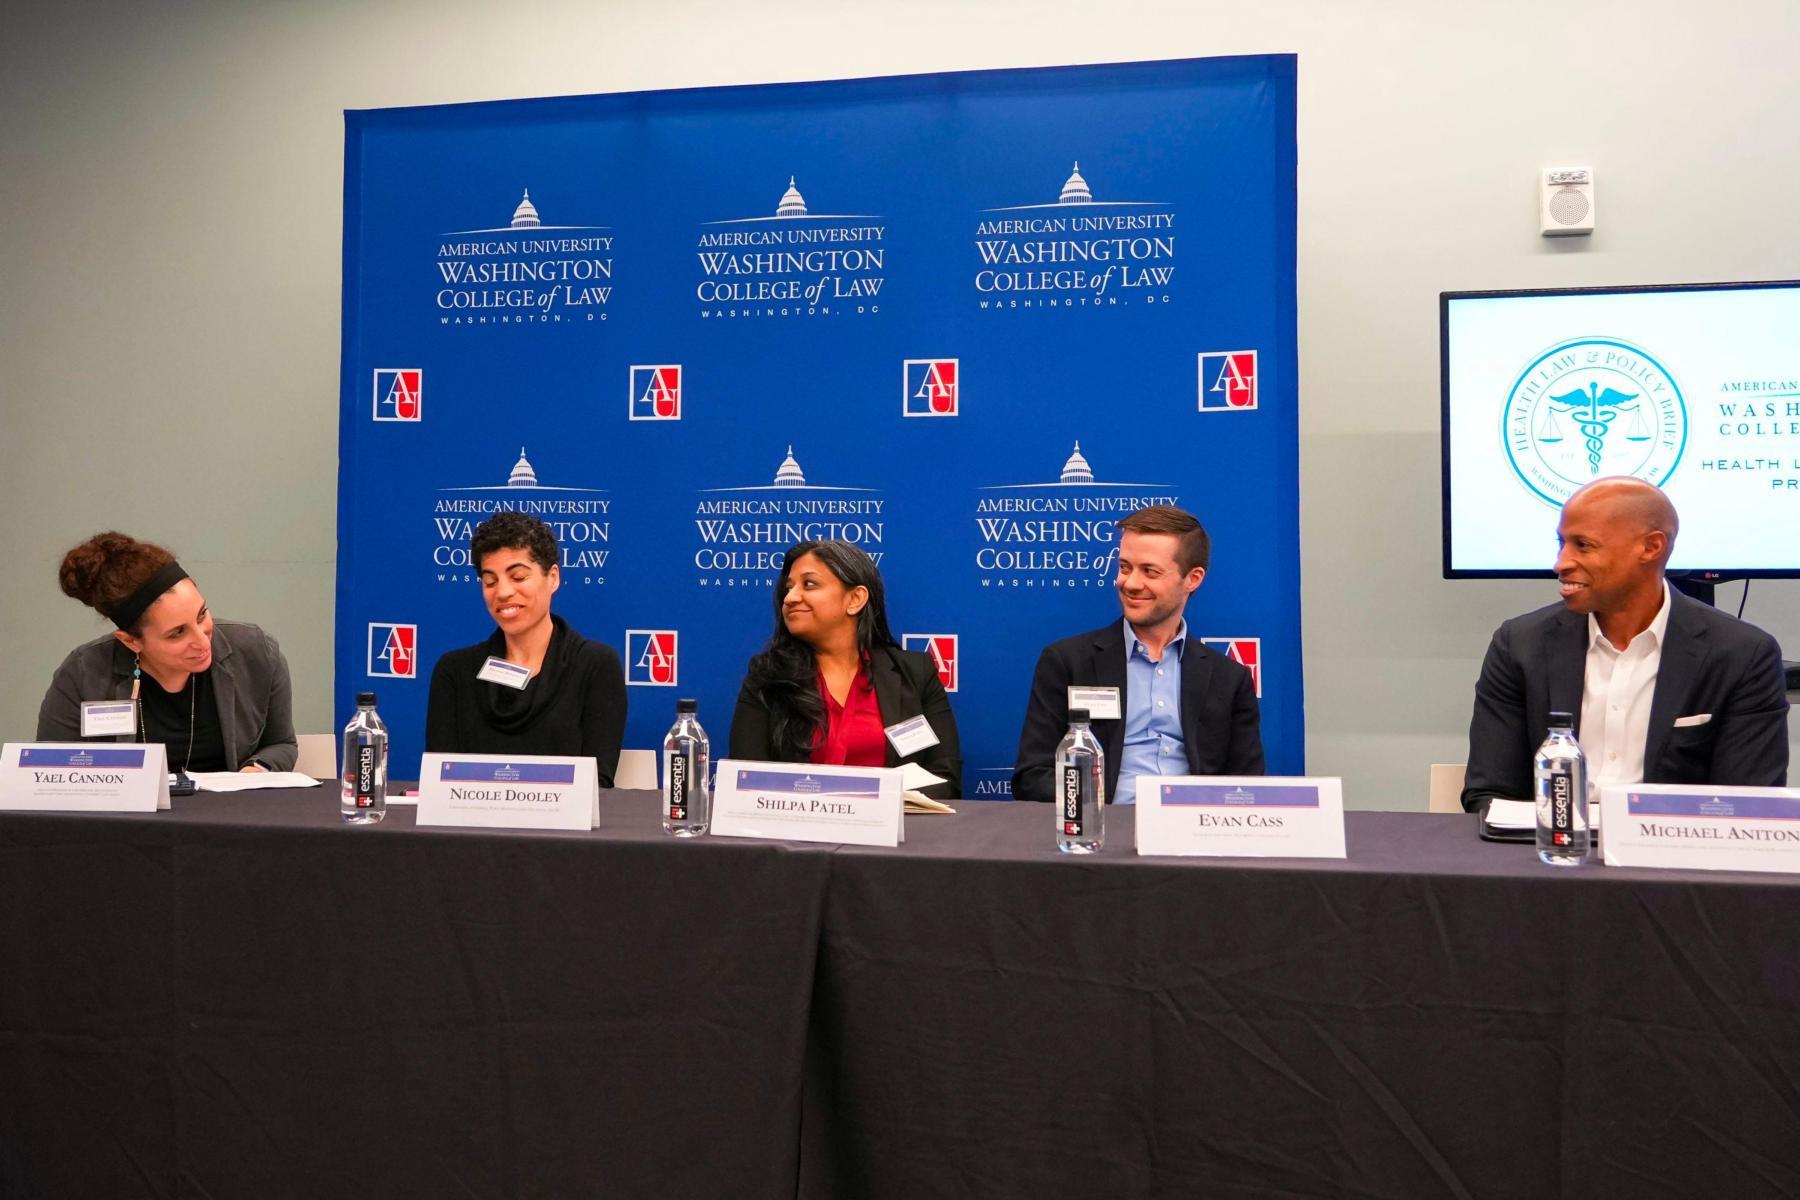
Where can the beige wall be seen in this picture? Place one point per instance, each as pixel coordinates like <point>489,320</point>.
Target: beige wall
<point>172,191</point>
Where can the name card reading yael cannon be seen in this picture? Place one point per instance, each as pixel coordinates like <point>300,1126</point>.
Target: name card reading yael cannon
<point>524,792</point>
<point>1245,816</point>
<point>1716,829</point>
<point>78,777</point>
<point>855,806</point>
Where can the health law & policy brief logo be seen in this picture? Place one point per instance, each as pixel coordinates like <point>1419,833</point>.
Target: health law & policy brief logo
<point>1075,252</point>
<point>794,263</point>
<point>655,393</point>
<point>1057,534</point>
<point>581,519</point>
<point>652,657</point>
<point>1228,381</point>
<point>524,273</point>
<point>1246,652</point>
<point>744,531</point>
<point>942,649</point>
<point>393,650</point>
<point>930,387</point>
<point>1590,407</point>
<point>399,394</point>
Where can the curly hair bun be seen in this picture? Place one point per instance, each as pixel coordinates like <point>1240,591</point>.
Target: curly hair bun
<point>108,567</point>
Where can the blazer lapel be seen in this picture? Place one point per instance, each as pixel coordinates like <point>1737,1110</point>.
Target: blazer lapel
<point>1196,676</point>
<point>892,695</point>
<point>1108,670</point>
<point>1567,674</point>
<point>1684,648</point>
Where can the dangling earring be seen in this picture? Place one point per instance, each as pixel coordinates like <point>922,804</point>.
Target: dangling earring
<point>137,676</point>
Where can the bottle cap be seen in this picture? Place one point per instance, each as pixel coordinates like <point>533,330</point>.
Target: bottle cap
<point>1562,720</point>
<point>365,699</point>
<point>1078,714</point>
<point>687,706</point>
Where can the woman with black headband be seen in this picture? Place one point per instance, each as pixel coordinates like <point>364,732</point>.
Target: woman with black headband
<point>215,693</point>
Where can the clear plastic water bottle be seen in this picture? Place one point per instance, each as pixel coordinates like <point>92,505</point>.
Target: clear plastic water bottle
<point>1560,772</point>
<point>1080,785</point>
<point>363,799</point>
<point>687,772</point>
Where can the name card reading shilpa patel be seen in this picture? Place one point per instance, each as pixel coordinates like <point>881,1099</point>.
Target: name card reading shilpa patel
<point>853,806</point>
<point>523,792</point>
<point>1243,816</point>
<point>78,777</point>
<point>1710,829</point>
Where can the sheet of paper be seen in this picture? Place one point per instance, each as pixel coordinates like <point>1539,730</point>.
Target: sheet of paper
<point>1511,814</point>
<point>249,781</point>
<point>914,778</point>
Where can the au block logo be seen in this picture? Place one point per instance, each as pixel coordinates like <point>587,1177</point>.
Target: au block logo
<point>929,388</point>
<point>656,392</point>
<point>393,650</point>
<point>652,657</point>
<point>399,393</point>
<point>1228,381</point>
<point>942,649</point>
<point>1246,652</point>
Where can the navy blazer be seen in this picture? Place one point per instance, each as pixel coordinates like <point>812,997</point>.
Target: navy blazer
<point>1220,720</point>
<point>1712,665</point>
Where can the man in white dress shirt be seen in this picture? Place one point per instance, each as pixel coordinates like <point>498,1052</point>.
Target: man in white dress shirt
<point>1667,689</point>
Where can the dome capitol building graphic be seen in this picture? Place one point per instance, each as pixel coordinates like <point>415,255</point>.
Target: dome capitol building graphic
<point>526,215</point>
<point>793,204</point>
<point>1076,469</point>
<point>789,473</point>
<point>1075,191</point>
<point>523,476</point>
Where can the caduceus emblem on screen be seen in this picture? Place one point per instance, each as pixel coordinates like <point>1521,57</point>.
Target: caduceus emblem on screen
<point>1594,412</point>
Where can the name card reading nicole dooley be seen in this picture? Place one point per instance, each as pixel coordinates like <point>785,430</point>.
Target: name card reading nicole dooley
<point>1240,816</point>
<point>524,792</point>
<point>78,777</point>
<point>1715,829</point>
<point>853,806</point>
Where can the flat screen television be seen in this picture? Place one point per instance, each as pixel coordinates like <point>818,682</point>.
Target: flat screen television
<point>1694,387</point>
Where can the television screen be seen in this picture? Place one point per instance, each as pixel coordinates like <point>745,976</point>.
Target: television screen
<point>1695,388</point>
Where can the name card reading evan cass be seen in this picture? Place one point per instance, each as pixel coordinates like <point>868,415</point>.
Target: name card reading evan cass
<point>1243,816</point>
<point>77,777</point>
<point>524,792</point>
<point>1718,829</point>
<point>853,806</point>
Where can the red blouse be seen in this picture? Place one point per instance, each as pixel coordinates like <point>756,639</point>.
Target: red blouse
<point>853,735</point>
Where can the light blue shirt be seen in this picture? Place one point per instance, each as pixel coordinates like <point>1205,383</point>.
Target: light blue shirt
<point>1153,741</point>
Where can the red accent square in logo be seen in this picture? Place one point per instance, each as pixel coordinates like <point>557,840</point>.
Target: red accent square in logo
<point>930,387</point>
<point>652,657</point>
<point>1246,652</point>
<point>399,393</point>
<point>942,647</point>
<point>393,651</point>
<point>1228,381</point>
<point>656,393</point>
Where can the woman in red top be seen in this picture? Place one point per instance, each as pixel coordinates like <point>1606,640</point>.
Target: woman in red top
<point>832,680</point>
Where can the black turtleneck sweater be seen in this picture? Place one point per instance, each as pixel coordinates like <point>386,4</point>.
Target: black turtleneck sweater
<point>574,705</point>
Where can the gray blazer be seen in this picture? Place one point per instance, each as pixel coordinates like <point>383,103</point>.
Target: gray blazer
<point>250,681</point>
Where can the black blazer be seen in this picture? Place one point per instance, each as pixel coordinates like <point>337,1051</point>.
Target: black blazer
<point>1220,720</point>
<point>1712,665</point>
<point>906,684</point>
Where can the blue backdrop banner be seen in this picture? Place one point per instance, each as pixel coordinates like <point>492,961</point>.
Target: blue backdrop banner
<point>966,321</point>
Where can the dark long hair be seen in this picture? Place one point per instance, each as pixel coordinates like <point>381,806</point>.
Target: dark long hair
<point>784,676</point>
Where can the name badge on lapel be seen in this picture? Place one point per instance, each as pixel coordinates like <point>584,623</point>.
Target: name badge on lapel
<point>1102,703</point>
<point>108,718</point>
<point>909,737</point>
<point>498,670</point>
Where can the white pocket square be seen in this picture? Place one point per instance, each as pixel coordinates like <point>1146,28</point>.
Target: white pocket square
<point>1696,719</point>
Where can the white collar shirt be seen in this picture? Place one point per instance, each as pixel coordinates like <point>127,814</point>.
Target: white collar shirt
<point>1616,691</point>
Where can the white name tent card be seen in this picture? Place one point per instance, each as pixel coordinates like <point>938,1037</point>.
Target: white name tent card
<point>81,777</point>
<point>108,718</point>
<point>1701,828</point>
<point>1240,816</point>
<point>528,791</point>
<point>803,802</point>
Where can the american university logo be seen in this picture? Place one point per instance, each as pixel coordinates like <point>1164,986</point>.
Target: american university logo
<point>792,263</point>
<point>1060,533</point>
<point>744,531</point>
<point>1228,381</point>
<point>393,651</point>
<point>928,387</point>
<point>1246,652</point>
<point>581,519</point>
<point>656,393</point>
<point>399,393</point>
<point>652,657</point>
<point>942,649</point>
<point>1591,407</point>
<point>526,272</point>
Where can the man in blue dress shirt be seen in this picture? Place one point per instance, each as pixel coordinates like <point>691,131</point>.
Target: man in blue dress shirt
<point>1161,702</point>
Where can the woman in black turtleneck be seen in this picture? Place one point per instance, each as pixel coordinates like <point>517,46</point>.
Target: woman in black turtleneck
<point>573,702</point>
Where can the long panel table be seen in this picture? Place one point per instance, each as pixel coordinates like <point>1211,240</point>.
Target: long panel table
<point>243,998</point>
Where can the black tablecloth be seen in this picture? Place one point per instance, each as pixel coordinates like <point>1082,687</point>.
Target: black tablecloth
<point>242,998</point>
